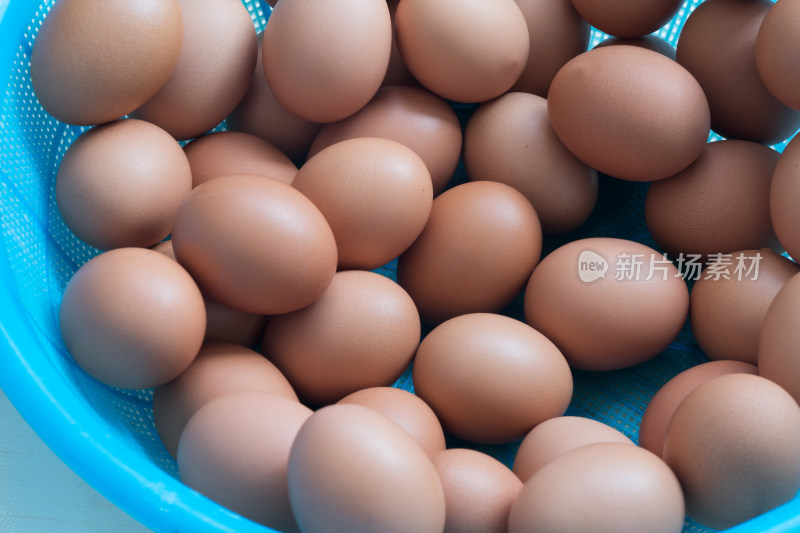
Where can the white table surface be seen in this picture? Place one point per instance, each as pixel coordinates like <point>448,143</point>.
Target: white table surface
<point>39,493</point>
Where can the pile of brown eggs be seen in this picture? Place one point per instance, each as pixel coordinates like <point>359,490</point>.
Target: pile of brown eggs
<point>220,248</point>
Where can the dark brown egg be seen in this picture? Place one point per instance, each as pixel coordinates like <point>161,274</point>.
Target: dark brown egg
<point>730,299</point>
<point>255,244</point>
<point>717,45</point>
<point>627,18</point>
<point>478,491</point>
<point>405,409</point>
<point>662,406</point>
<point>362,332</point>
<point>219,368</point>
<point>227,152</point>
<point>734,443</point>
<point>491,378</point>
<point>397,73</point>
<point>629,112</point>
<point>213,72</point>
<point>784,196</point>
<point>480,244</point>
<point>132,318</point>
<point>87,68</point>
<point>780,336</point>
<point>510,140</point>
<point>411,116</point>
<point>260,113</point>
<point>777,50</point>
<point>719,204</point>
<point>121,183</point>
<point>557,34</point>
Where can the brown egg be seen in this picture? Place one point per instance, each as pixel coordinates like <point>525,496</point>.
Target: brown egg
<point>406,410</point>
<point>227,152</point>
<point>235,451</point>
<point>480,244</point>
<point>323,60</point>
<point>557,34</point>
<point>463,50</point>
<point>120,184</point>
<point>491,378</point>
<point>662,406</point>
<point>213,73</point>
<point>397,73</point>
<point>411,116</point>
<point>255,244</point>
<point>347,460</point>
<point>602,487</point>
<point>219,368</point>
<point>627,18</point>
<point>132,318</point>
<point>719,204</point>
<point>717,45</point>
<point>607,303</point>
<point>784,196</point>
<point>510,140</point>
<point>780,336</point>
<point>629,112</point>
<point>260,113</point>
<point>734,443</point>
<point>649,42</point>
<point>478,491</point>
<point>729,301</point>
<point>362,332</point>
<point>87,68</point>
<point>376,194</point>
<point>555,437</point>
<point>223,323</point>
<point>777,50</point>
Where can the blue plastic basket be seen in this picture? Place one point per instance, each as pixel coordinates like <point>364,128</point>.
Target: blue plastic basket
<point>107,435</point>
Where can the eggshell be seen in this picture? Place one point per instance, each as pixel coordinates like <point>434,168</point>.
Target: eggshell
<point>260,113</point>
<point>662,406</point>
<point>228,152</point>
<point>719,204</point>
<point>479,246</point>
<point>223,323</point>
<point>783,197</point>
<point>254,244</point>
<point>120,184</point>
<point>778,50</point>
<point>397,73</point>
<point>607,303</point>
<point>605,487</point>
<point>510,140</point>
<point>352,469</point>
<point>463,50</point>
<point>478,491</point>
<point>405,409</point>
<point>557,34</point>
<point>717,45</point>
<point>235,450</point>
<point>325,60</point>
<point>376,194</point>
<point>87,68</point>
<point>213,73</point>
<point>649,42</point>
<point>629,112</point>
<point>362,332</point>
<point>491,378</point>
<point>627,18</point>
<point>132,318</point>
<point>555,437</point>
<point>411,116</point>
<point>780,336</point>
<point>728,303</point>
<point>734,443</point>
<point>219,368</point>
